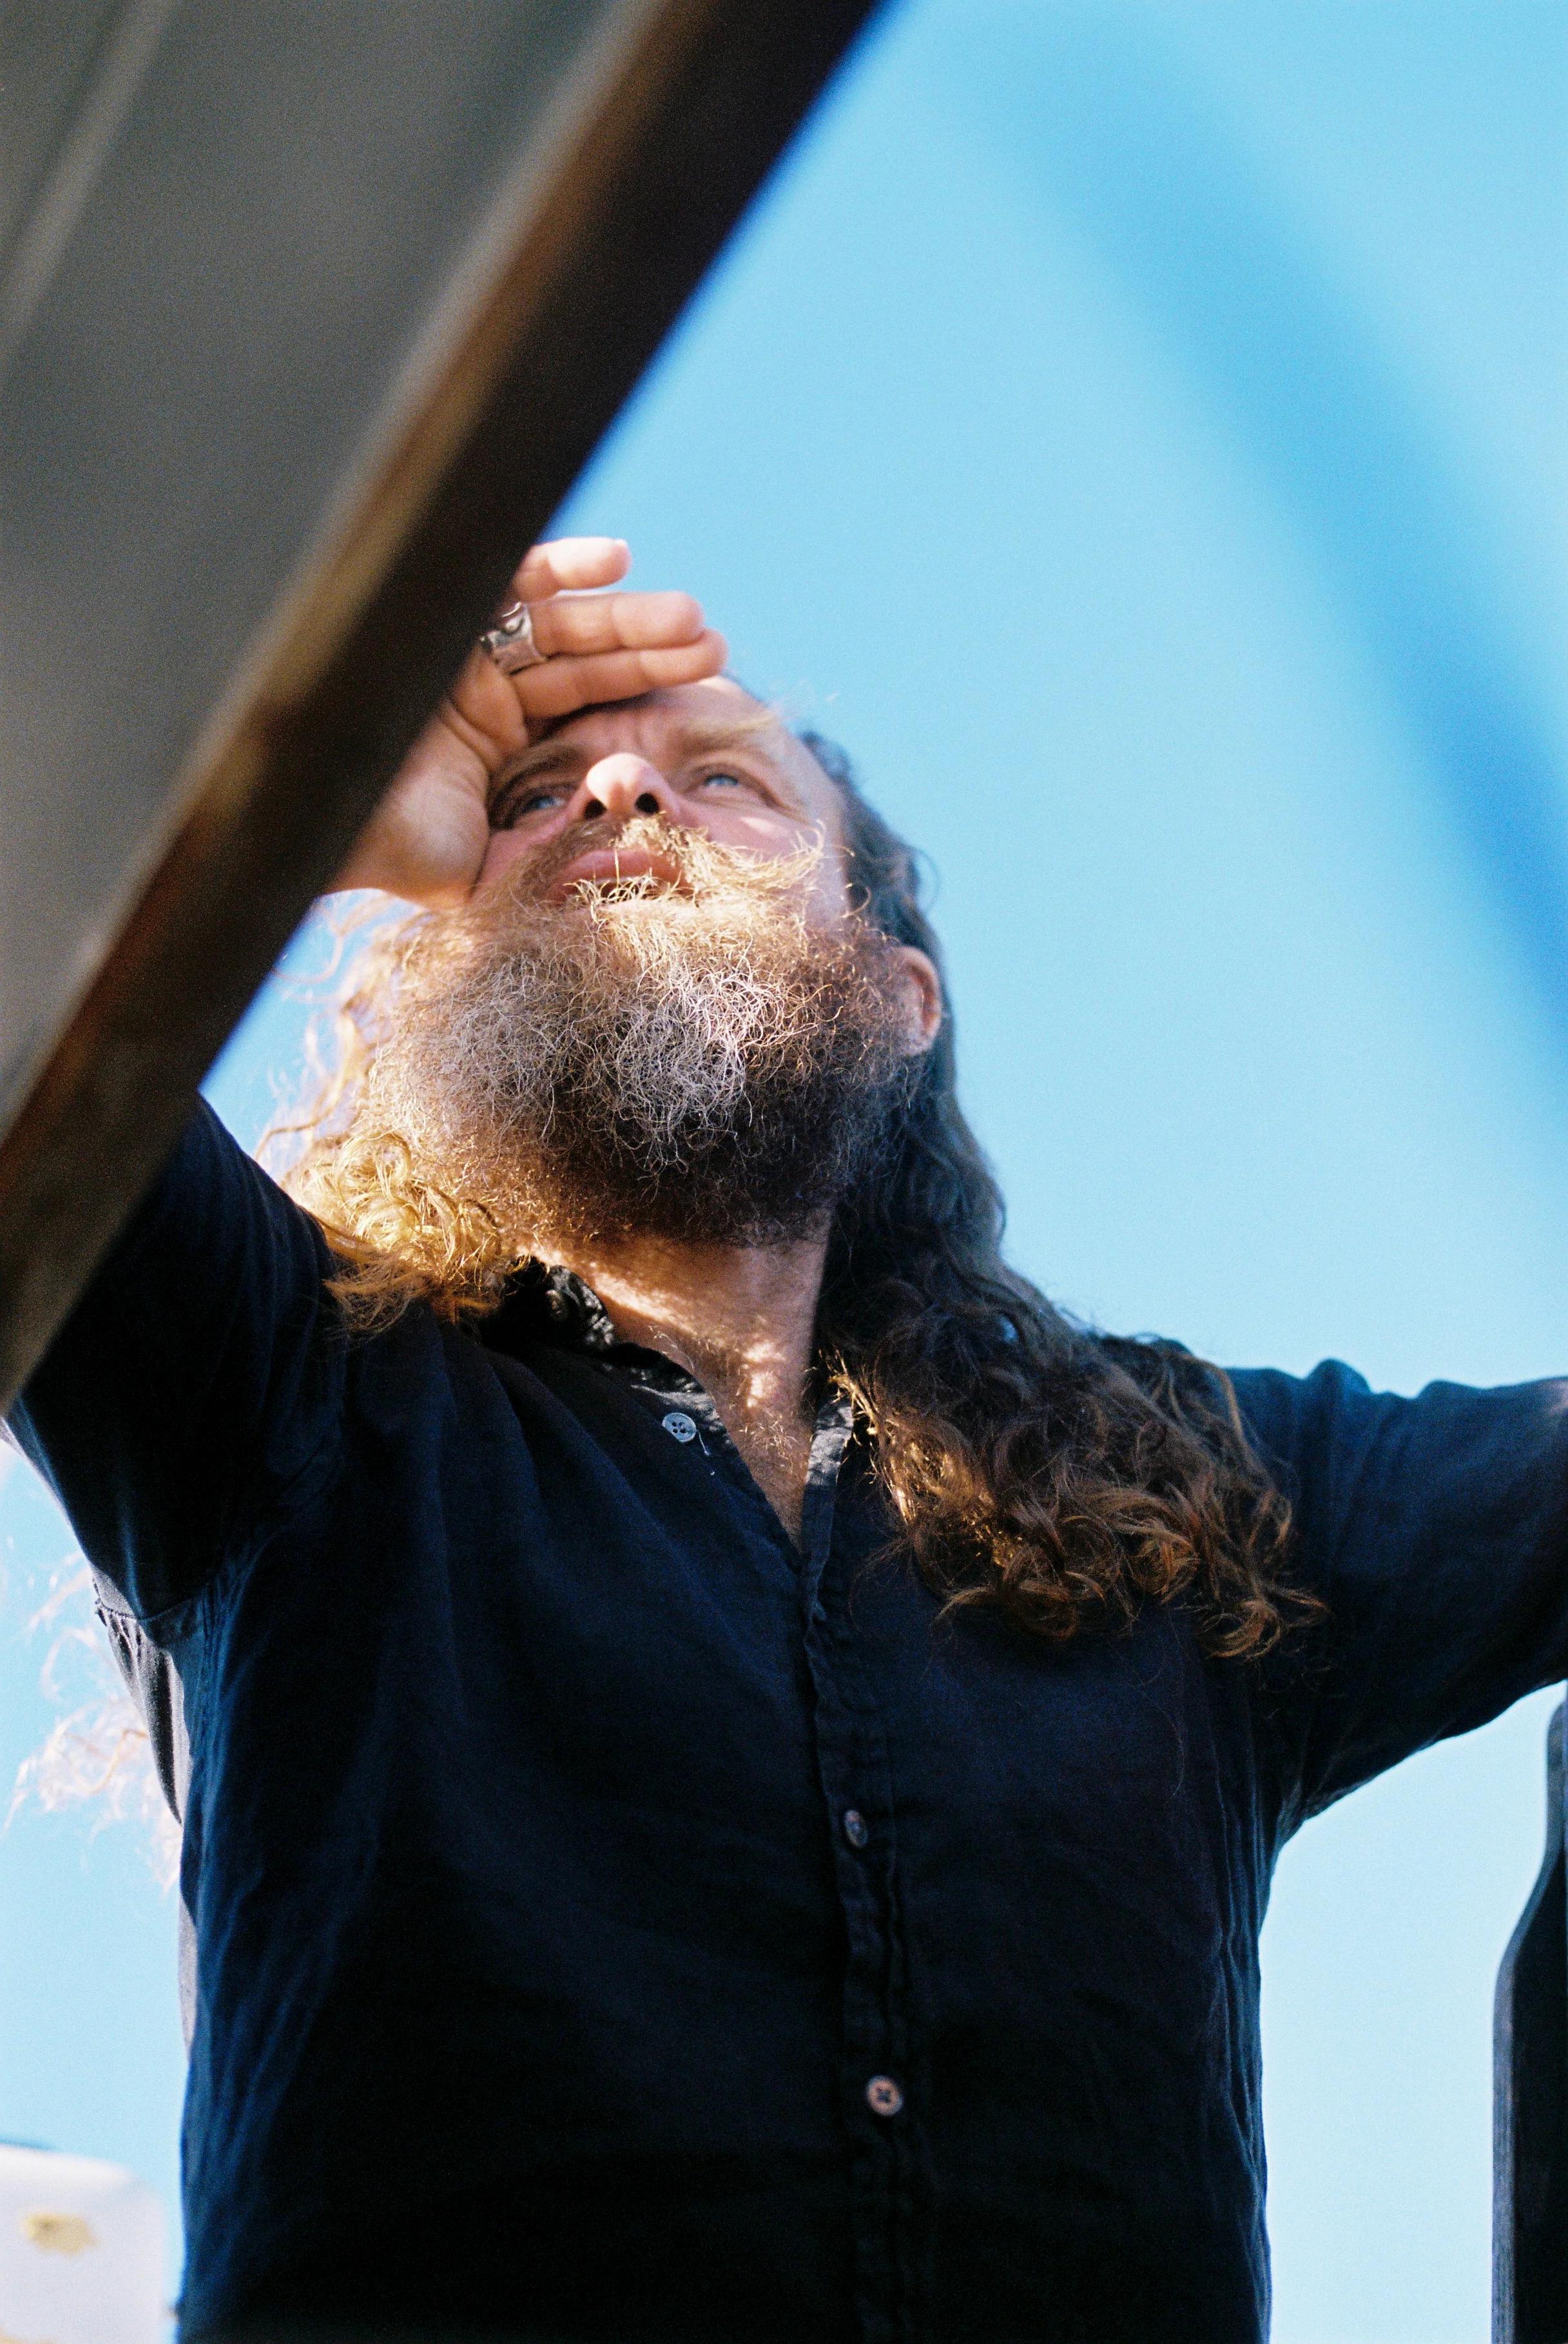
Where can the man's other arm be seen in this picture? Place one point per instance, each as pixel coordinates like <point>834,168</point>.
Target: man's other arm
<point>1435,1532</point>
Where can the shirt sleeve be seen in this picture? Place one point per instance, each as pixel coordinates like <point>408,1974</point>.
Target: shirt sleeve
<point>1434,1531</point>
<point>196,1379</point>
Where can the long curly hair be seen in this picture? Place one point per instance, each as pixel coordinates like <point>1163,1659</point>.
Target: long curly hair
<point>1062,1477</point>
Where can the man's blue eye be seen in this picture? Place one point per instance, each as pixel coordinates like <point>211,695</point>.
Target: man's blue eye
<point>726,781</point>
<point>529,801</point>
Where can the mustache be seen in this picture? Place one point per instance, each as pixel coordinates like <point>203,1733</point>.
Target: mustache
<point>705,871</point>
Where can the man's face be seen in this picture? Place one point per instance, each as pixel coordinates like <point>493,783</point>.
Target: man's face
<point>659,1011</point>
<point>705,757</point>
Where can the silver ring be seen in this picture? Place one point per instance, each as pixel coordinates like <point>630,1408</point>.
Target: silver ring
<point>510,642</point>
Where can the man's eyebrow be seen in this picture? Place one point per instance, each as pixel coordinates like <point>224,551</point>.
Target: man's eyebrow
<point>740,732</point>
<point>545,757</point>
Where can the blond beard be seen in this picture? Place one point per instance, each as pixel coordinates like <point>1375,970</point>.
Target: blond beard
<point>705,1062</point>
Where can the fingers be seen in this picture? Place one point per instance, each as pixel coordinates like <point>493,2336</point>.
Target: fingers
<point>570,564</point>
<point>610,622</point>
<point>562,684</point>
<point>597,646</point>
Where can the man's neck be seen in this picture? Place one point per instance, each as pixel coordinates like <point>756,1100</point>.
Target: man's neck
<point>739,1319</point>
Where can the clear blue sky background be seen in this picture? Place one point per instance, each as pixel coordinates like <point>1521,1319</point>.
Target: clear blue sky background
<point>1138,431</point>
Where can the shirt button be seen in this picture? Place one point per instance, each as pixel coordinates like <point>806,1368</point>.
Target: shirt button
<point>680,1426</point>
<point>883,2097</point>
<point>855,1830</point>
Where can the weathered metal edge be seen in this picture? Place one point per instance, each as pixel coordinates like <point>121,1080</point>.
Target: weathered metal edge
<point>663,164</point>
<point>1515,2246</point>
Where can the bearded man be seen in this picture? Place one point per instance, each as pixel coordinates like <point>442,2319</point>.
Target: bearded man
<point>730,1756</point>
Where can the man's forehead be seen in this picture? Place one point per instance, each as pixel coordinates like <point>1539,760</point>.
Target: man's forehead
<point>716,713</point>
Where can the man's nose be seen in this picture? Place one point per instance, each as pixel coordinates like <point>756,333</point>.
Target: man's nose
<point>623,785</point>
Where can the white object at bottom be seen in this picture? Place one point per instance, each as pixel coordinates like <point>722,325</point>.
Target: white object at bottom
<point>81,2252</point>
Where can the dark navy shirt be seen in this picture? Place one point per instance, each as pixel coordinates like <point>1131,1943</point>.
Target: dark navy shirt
<point>612,1923</point>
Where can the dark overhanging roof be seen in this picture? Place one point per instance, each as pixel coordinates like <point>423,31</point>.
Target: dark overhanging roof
<point>308,321</point>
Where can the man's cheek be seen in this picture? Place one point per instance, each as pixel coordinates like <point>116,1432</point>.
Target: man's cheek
<point>505,852</point>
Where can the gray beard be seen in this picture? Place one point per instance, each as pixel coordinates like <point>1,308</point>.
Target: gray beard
<point>710,1066</point>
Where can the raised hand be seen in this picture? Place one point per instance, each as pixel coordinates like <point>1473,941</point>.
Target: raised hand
<point>427,839</point>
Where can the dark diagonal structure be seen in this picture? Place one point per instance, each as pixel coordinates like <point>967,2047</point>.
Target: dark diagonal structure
<point>310,318</point>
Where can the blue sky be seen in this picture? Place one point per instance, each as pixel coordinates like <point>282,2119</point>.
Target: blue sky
<point>1138,431</point>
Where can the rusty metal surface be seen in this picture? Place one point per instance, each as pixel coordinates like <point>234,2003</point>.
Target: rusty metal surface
<point>329,310</point>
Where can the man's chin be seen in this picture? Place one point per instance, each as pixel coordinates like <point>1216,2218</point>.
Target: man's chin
<point>695,1065</point>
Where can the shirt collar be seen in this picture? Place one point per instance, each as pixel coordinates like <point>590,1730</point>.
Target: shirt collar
<point>576,1313</point>
<point>551,1306</point>
<point>554,1306</point>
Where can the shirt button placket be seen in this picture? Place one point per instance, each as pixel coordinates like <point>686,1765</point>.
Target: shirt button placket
<point>852,1760</point>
